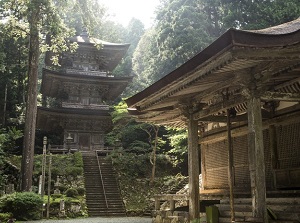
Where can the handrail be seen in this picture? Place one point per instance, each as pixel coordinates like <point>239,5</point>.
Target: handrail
<point>102,182</point>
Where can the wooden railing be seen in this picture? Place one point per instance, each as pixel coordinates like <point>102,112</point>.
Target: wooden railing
<point>171,198</point>
<point>74,148</point>
<point>102,182</point>
<point>63,149</point>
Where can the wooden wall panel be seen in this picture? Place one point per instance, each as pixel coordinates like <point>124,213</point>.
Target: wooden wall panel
<point>289,145</point>
<point>216,158</point>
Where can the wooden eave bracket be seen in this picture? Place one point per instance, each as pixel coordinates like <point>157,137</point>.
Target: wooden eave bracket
<point>280,96</point>
<point>215,108</point>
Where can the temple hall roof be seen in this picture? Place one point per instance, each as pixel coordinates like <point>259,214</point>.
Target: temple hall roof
<point>271,56</point>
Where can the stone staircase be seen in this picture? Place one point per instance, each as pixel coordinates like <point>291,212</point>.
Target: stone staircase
<point>102,191</point>
<point>285,210</point>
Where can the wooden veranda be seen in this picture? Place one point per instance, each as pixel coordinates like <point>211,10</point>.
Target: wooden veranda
<point>243,87</point>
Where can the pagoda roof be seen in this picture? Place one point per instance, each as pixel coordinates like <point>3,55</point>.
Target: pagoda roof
<point>49,118</point>
<point>112,53</point>
<point>53,81</point>
<point>271,55</point>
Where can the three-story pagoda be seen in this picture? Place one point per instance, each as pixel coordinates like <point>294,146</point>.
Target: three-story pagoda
<point>83,89</point>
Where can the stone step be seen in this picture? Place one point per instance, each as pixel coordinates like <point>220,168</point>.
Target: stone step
<point>95,190</point>
<point>275,200</point>
<point>238,214</point>
<point>288,212</point>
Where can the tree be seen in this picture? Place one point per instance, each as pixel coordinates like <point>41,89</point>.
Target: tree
<point>180,32</point>
<point>143,61</point>
<point>152,131</point>
<point>251,14</point>
<point>31,108</point>
<point>34,19</point>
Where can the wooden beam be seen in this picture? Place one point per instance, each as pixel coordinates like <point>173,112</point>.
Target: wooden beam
<point>239,130</point>
<point>256,158</point>
<point>193,168</point>
<point>219,107</point>
<point>280,96</point>
<point>216,88</point>
<point>238,118</point>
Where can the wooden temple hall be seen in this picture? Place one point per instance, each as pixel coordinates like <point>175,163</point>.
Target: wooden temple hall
<point>239,100</point>
<point>80,92</point>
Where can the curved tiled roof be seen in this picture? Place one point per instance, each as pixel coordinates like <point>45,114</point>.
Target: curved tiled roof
<point>284,28</point>
<point>278,36</point>
<point>236,56</point>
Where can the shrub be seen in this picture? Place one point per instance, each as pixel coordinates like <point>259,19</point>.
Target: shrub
<point>23,206</point>
<point>74,171</point>
<point>4,217</point>
<point>62,188</point>
<point>78,162</point>
<point>81,191</point>
<point>55,196</point>
<point>71,192</point>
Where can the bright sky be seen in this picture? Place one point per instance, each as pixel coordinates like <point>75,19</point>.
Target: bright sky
<point>123,10</point>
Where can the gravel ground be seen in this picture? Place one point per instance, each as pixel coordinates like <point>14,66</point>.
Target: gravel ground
<point>97,220</point>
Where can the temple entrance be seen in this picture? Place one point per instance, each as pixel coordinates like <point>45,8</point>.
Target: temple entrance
<point>84,141</point>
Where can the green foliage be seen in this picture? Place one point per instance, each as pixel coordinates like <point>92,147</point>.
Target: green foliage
<point>69,168</point>
<point>137,168</point>
<point>8,139</point>
<point>73,171</point>
<point>56,196</point>
<point>8,146</point>
<point>71,192</point>
<point>132,35</point>
<point>126,130</point>
<point>178,142</point>
<point>23,206</point>
<point>78,162</point>
<point>258,14</point>
<point>69,207</point>
<point>180,32</point>
<point>4,217</point>
<point>81,191</point>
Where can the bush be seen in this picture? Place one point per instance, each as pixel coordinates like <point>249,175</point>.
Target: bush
<point>71,192</point>
<point>55,196</point>
<point>23,206</point>
<point>62,188</point>
<point>4,217</point>
<point>78,162</point>
<point>74,171</point>
<point>81,191</point>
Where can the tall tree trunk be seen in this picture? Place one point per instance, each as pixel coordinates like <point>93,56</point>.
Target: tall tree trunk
<point>154,148</point>
<point>31,106</point>
<point>4,106</point>
<point>156,128</point>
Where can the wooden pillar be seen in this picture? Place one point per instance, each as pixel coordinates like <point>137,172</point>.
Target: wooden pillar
<point>157,204</point>
<point>256,158</point>
<point>274,152</point>
<point>172,205</point>
<point>230,167</point>
<point>193,162</point>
